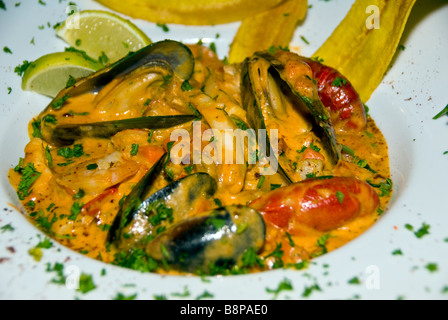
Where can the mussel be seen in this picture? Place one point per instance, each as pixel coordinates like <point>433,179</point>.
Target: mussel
<point>268,90</point>
<point>143,216</point>
<point>178,226</point>
<point>156,63</point>
<point>68,133</point>
<point>174,53</point>
<point>217,238</point>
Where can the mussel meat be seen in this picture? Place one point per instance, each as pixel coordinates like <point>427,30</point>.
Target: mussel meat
<point>272,101</point>
<point>110,92</point>
<point>173,53</point>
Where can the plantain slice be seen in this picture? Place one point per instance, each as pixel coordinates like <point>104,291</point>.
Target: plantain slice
<point>274,27</point>
<point>364,43</point>
<point>192,12</point>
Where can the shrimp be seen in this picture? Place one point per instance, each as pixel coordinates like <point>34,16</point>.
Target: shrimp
<point>347,112</point>
<point>321,204</point>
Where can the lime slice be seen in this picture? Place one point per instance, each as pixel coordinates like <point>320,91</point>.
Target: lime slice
<point>50,73</point>
<point>102,35</point>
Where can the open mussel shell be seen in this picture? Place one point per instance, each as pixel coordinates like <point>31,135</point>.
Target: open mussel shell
<point>175,54</point>
<point>217,238</point>
<point>261,99</point>
<point>142,220</point>
<point>252,95</point>
<point>322,125</point>
<point>68,133</point>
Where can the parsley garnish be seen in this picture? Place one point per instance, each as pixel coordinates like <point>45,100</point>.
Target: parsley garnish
<point>284,285</point>
<point>59,102</point>
<point>75,210</point>
<point>68,152</point>
<point>163,26</point>
<point>186,86</point>
<point>86,283</point>
<point>424,230</point>
<point>20,69</point>
<point>189,168</point>
<point>441,113</point>
<point>239,123</point>
<point>260,182</point>
<point>36,129</point>
<point>70,82</point>
<point>134,149</point>
<point>340,196</point>
<point>92,166</point>
<point>103,59</point>
<point>29,175</point>
<point>48,156</point>
<point>338,82</point>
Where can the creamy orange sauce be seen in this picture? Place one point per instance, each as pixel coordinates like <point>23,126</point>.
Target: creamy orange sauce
<point>107,169</point>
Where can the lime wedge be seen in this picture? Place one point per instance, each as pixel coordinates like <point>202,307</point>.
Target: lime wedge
<point>50,73</point>
<point>102,35</point>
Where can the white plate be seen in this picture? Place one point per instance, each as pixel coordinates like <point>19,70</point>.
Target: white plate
<point>413,91</point>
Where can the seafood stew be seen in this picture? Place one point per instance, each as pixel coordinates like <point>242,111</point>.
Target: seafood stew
<point>136,165</point>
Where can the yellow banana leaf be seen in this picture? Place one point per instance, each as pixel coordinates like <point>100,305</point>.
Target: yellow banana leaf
<point>274,27</point>
<point>190,12</point>
<point>364,43</point>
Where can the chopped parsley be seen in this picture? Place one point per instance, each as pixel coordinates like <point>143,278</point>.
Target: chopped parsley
<point>29,176</point>
<point>92,166</point>
<point>239,123</point>
<point>432,267</point>
<point>186,86</point>
<point>163,26</point>
<point>338,82</point>
<point>59,102</point>
<point>75,210</point>
<point>58,268</point>
<point>20,69</point>
<point>67,152</point>
<point>135,259</point>
<point>424,230</point>
<point>385,187</point>
<point>70,82</point>
<point>340,196</point>
<point>354,280</point>
<point>260,182</point>
<point>277,254</point>
<point>86,283</point>
<point>7,50</point>
<point>80,194</point>
<point>49,118</point>
<point>189,168</point>
<point>103,59</point>
<point>322,245</point>
<point>36,129</point>
<point>304,40</point>
<point>309,289</point>
<point>158,212</point>
<point>275,186</point>
<point>48,156</point>
<point>7,227</point>
<point>441,113</point>
<point>134,149</point>
<point>284,285</point>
